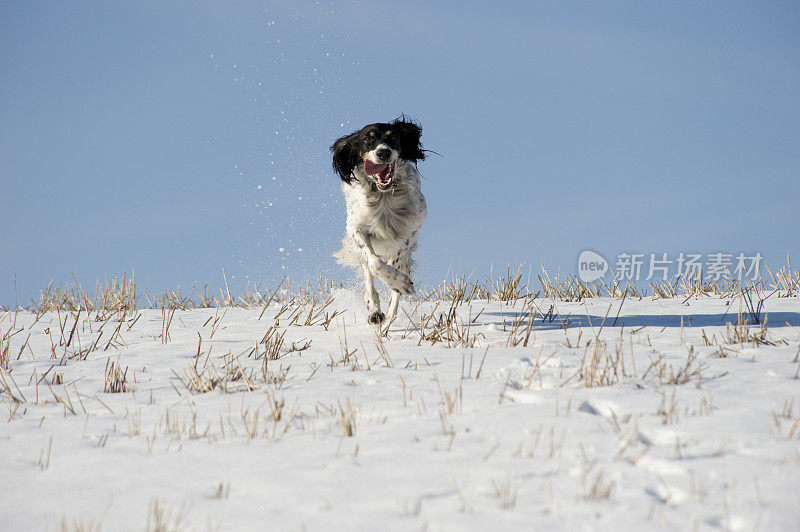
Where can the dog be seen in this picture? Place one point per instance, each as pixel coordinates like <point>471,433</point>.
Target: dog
<point>385,207</point>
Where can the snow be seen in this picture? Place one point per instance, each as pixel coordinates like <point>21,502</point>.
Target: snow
<point>442,437</point>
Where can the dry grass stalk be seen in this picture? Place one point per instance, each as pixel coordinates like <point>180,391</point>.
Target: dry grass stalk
<point>456,288</point>
<point>222,490</point>
<point>664,290</point>
<point>235,372</point>
<point>453,402</point>
<point>787,414</point>
<point>753,311</point>
<point>272,342</point>
<point>740,333</point>
<point>447,327</point>
<point>602,368</point>
<point>116,295</point>
<point>133,421</point>
<point>598,489</point>
<point>509,288</point>
<point>382,350</point>
<point>528,443</point>
<point>275,406</point>
<point>202,381</point>
<point>78,525</point>
<point>447,428</point>
<point>309,303</point>
<point>110,296</point>
<point>785,281</point>
<point>166,321</point>
<point>412,511</point>
<point>506,492</point>
<point>348,418</point>
<point>5,345</point>
<point>317,314</point>
<point>274,378</point>
<point>668,412</point>
<point>160,518</point>
<point>573,289</point>
<point>206,299</point>
<point>706,406</point>
<point>116,380</point>
<point>348,357</point>
<point>210,377</point>
<point>44,457</point>
<point>522,326</point>
<point>669,374</point>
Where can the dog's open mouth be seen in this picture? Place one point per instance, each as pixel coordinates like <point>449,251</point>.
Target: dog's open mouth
<point>381,173</point>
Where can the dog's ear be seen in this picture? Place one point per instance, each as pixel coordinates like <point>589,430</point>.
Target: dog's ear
<point>345,156</point>
<point>410,146</point>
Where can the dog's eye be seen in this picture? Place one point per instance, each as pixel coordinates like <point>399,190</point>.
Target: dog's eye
<point>371,133</point>
<point>388,133</point>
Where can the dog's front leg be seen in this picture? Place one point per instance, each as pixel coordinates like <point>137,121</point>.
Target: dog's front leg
<point>368,259</point>
<point>394,278</point>
<point>371,297</point>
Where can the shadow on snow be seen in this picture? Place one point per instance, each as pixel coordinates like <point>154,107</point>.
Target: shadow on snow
<point>773,319</point>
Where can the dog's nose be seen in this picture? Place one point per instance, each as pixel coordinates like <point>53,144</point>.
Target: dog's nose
<point>383,153</point>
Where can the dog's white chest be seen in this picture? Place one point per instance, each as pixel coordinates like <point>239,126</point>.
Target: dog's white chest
<point>395,215</point>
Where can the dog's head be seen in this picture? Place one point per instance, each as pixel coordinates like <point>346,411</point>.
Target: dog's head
<point>374,151</point>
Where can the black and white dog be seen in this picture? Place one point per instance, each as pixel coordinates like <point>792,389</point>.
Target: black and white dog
<point>385,207</point>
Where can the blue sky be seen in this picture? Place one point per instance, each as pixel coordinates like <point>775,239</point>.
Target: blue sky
<point>137,134</point>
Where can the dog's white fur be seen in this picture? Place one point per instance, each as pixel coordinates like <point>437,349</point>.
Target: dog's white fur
<point>382,229</point>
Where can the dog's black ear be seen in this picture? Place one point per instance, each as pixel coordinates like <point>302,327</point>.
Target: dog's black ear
<point>410,146</point>
<point>345,156</point>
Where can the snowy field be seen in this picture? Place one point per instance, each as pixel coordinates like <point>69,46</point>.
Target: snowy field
<point>606,413</point>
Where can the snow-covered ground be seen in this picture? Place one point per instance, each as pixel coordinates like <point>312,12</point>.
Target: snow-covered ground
<point>593,417</point>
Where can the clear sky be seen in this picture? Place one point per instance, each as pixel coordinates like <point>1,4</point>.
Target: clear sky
<point>180,138</point>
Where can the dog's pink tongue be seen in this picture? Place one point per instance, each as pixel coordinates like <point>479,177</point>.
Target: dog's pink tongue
<point>372,168</point>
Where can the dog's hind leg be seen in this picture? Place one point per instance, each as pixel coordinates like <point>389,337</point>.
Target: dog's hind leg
<point>375,317</point>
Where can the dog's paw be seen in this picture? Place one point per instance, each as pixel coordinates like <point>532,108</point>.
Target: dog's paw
<point>408,288</point>
<point>394,278</point>
<point>376,318</point>
<point>402,284</point>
